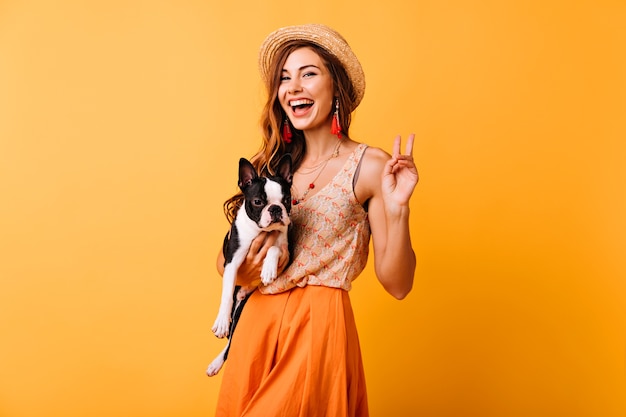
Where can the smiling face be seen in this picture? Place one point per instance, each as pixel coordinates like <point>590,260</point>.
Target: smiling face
<point>306,90</point>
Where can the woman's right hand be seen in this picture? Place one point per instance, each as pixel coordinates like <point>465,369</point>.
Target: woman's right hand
<point>249,273</point>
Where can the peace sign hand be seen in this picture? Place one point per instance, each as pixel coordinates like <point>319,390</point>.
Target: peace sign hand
<point>399,176</point>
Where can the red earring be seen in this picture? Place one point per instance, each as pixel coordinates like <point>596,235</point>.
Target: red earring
<point>287,131</point>
<point>335,129</point>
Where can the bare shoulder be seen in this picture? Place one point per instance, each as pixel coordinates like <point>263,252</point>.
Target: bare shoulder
<point>375,156</point>
<point>374,160</point>
<point>372,165</point>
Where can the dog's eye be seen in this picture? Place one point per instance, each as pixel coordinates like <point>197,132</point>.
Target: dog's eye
<point>257,202</point>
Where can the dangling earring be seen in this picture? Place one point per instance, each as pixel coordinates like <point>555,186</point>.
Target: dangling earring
<point>335,129</point>
<point>286,131</point>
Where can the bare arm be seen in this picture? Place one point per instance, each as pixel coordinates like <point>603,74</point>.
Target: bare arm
<point>389,183</point>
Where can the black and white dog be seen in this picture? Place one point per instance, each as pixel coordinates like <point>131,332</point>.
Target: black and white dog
<point>266,207</point>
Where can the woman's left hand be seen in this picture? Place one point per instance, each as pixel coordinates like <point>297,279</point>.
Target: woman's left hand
<point>400,175</point>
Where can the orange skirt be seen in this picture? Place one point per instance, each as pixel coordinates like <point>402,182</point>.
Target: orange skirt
<point>295,354</point>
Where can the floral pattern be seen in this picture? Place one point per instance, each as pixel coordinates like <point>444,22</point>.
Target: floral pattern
<point>331,235</point>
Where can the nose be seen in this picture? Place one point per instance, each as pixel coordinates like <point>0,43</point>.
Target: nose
<point>294,86</point>
<point>276,213</point>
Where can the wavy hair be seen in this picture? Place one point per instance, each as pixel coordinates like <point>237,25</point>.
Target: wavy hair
<point>273,117</point>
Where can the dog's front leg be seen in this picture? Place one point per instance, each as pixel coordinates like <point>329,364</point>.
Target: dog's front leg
<point>270,265</point>
<point>222,322</point>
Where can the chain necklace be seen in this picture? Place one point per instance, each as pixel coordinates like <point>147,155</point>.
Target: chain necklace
<point>323,164</point>
<point>309,170</point>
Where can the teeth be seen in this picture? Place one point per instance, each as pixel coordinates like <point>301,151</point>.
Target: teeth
<point>295,103</point>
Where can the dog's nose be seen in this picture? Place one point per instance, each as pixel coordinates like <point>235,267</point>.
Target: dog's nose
<point>275,212</point>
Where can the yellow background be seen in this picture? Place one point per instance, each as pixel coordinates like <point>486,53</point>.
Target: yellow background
<point>121,123</point>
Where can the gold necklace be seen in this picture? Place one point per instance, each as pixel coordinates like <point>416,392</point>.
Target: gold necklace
<point>311,186</point>
<point>308,170</point>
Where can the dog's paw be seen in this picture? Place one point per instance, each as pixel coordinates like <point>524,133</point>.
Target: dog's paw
<point>268,274</point>
<point>215,366</point>
<point>220,328</point>
<point>270,265</point>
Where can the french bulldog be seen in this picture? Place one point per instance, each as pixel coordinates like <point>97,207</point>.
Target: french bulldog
<point>266,207</point>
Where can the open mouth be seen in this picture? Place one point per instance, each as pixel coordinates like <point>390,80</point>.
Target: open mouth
<point>300,106</point>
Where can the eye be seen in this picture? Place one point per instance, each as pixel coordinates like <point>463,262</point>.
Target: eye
<point>309,74</point>
<point>284,78</point>
<point>257,202</point>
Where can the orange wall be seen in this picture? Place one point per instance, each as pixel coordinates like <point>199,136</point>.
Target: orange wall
<point>120,126</point>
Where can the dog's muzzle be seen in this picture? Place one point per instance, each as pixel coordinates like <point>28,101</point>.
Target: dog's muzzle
<point>276,213</point>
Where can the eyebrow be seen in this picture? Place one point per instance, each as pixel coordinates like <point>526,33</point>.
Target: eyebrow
<point>304,67</point>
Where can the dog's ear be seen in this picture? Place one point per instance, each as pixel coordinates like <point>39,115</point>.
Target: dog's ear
<point>247,173</point>
<point>284,168</point>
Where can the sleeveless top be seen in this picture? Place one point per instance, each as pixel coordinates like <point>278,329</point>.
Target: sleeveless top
<point>331,232</point>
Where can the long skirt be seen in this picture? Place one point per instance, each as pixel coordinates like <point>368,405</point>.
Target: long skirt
<point>295,354</point>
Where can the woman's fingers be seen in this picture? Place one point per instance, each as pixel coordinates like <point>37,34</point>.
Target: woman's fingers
<point>409,144</point>
<point>284,257</point>
<point>397,145</point>
<point>249,272</point>
<point>260,245</point>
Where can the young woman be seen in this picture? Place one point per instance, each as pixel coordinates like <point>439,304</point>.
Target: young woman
<point>296,351</point>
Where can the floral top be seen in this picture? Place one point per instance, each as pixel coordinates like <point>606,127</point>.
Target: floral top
<point>331,232</point>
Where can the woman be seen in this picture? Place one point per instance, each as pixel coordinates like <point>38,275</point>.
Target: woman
<point>296,350</point>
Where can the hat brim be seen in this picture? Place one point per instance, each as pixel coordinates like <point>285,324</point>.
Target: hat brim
<point>320,35</point>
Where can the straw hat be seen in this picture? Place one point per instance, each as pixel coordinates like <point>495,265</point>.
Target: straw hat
<point>322,36</point>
